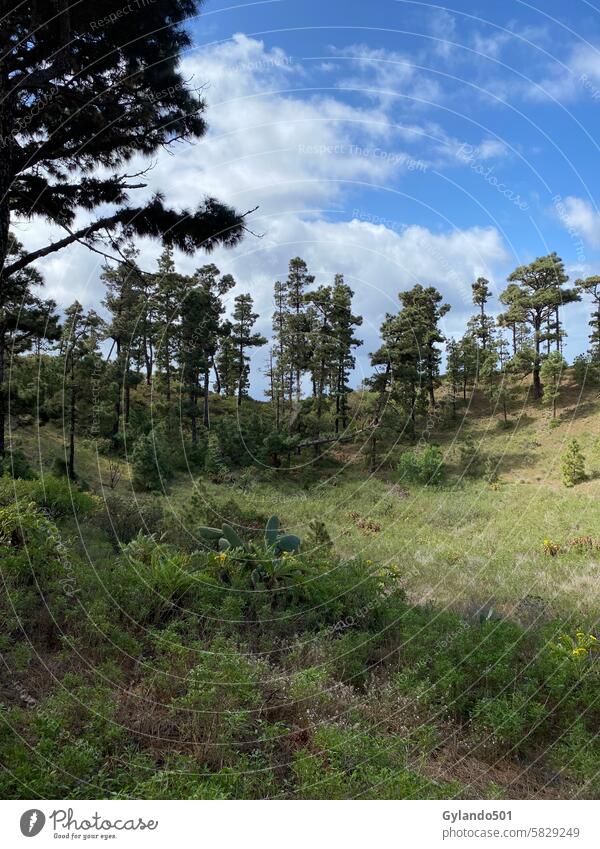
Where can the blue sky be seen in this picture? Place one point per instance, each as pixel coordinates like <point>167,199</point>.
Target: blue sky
<point>395,142</point>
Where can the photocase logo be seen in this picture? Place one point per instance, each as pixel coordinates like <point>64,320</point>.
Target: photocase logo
<point>32,822</point>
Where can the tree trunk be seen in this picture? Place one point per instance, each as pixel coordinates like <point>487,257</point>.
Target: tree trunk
<point>2,394</point>
<point>431,395</point>
<point>6,176</point>
<point>148,357</point>
<point>194,415</point>
<point>537,382</point>
<point>240,375</point>
<point>430,388</point>
<point>7,130</point>
<point>206,414</point>
<point>117,421</point>
<point>127,396</point>
<point>72,418</point>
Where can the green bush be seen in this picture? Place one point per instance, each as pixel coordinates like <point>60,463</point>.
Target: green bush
<point>150,465</point>
<point>153,580</point>
<point>58,497</point>
<point>16,465</point>
<point>573,464</point>
<point>425,466</point>
<point>122,518</point>
<point>473,459</point>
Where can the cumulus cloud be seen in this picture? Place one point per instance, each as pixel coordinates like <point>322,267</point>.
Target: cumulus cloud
<point>580,218</point>
<point>575,78</point>
<point>386,76</point>
<point>378,260</point>
<point>303,158</point>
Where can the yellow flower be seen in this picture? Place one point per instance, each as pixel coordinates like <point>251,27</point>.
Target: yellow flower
<point>369,562</point>
<point>579,652</point>
<point>223,556</point>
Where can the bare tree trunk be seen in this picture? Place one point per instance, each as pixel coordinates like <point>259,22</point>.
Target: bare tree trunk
<point>194,416</point>
<point>2,393</point>
<point>206,414</point>
<point>537,382</point>
<point>72,419</point>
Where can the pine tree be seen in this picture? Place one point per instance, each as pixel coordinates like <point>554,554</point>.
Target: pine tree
<point>201,327</point>
<point>279,366</point>
<point>194,356</point>
<point>591,286</point>
<point>322,344</point>
<point>343,322</point>
<point>505,389</point>
<point>514,317</point>
<point>225,361</point>
<point>453,371</point>
<point>481,325</point>
<point>78,103</point>
<point>469,360</point>
<point>168,297</point>
<point>488,372</point>
<point>297,327</point>
<point>399,378</point>
<point>536,298</point>
<point>552,373</point>
<point>573,464</point>
<point>123,300</point>
<point>82,369</point>
<point>243,339</point>
<point>422,311</point>
<point>25,320</point>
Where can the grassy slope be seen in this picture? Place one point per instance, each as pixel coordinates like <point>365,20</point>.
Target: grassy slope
<point>461,544</point>
<point>456,545</point>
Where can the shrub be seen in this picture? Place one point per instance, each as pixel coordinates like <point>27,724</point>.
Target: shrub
<point>29,545</point>
<point>214,462</point>
<point>582,370</point>
<point>573,464</point>
<point>507,720</point>
<point>121,519</point>
<point>17,465</point>
<point>153,579</point>
<point>58,497</point>
<point>151,468</point>
<point>473,461</point>
<point>222,699</point>
<point>424,467</point>
<point>59,467</point>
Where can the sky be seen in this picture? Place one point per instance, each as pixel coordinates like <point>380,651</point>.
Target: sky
<point>394,142</point>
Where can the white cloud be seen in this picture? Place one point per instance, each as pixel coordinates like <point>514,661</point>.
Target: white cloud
<point>580,218</point>
<point>300,158</point>
<point>377,261</point>
<point>443,28</point>
<point>384,75</point>
<point>577,77</point>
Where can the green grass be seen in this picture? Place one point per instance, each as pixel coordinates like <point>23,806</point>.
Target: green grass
<point>370,671</point>
<point>459,544</point>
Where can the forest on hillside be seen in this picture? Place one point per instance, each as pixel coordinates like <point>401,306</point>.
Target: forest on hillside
<point>139,380</point>
<point>374,588</point>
